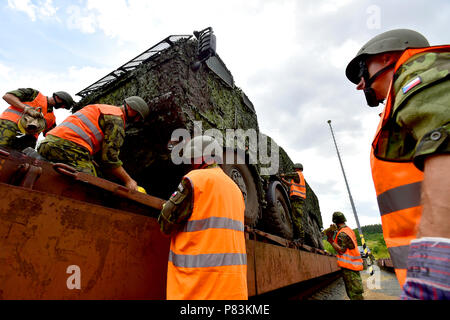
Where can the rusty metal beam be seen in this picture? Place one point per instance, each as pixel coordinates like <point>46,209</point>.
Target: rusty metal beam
<point>121,255</point>
<point>276,267</point>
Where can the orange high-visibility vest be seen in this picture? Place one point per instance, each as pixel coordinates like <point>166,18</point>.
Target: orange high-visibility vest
<point>398,187</point>
<point>298,189</point>
<point>207,259</point>
<point>50,120</point>
<point>82,127</point>
<point>14,114</point>
<point>351,258</point>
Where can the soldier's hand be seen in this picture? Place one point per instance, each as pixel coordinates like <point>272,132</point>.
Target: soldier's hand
<point>131,184</point>
<point>33,112</point>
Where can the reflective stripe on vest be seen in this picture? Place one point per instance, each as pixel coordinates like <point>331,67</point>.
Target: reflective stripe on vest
<point>82,127</point>
<point>14,114</point>
<point>398,187</point>
<point>207,258</point>
<point>213,223</point>
<point>351,258</point>
<point>298,189</point>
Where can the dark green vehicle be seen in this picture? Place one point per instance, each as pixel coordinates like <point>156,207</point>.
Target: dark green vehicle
<point>189,88</point>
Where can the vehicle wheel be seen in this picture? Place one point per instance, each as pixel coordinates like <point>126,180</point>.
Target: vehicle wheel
<point>277,218</point>
<point>318,234</point>
<point>242,176</point>
<point>313,236</point>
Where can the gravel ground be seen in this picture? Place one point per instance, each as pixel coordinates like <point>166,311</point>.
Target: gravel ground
<point>382,286</point>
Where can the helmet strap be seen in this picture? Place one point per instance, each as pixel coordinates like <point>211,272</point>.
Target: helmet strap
<point>127,116</point>
<point>369,92</point>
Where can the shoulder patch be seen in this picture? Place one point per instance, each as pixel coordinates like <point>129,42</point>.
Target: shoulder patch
<point>414,82</point>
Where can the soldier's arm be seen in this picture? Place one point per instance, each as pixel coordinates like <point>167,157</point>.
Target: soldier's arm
<point>177,210</point>
<point>114,135</point>
<point>435,220</point>
<point>425,114</point>
<point>290,176</point>
<point>15,97</point>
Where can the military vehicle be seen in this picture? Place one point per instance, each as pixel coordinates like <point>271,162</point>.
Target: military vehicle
<point>188,86</point>
<point>69,235</point>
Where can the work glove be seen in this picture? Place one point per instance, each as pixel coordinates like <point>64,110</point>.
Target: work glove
<point>32,112</point>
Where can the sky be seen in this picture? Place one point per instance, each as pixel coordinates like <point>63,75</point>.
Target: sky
<point>288,56</point>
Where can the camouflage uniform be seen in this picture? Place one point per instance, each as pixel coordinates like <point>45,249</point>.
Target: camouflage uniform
<point>10,135</point>
<point>352,278</point>
<point>420,121</point>
<point>56,149</point>
<point>178,209</point>
<point>298,207</point>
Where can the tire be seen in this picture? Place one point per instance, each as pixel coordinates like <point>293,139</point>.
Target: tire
<point>242,176</point>
<point>313,236</point>
<point>318,234</point>
<point>277,218</point>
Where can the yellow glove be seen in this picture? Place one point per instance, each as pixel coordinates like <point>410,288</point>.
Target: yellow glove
<point>140,189</point>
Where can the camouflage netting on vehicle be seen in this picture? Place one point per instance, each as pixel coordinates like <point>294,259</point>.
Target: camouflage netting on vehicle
<point>179,96</point>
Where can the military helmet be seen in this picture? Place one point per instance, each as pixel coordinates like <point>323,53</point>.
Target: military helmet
<point>298,166</point>
<point>393,40</point>
<point>338,217</point>
<point>66,98</point>
<point>31,125</point>
<point>139,105</point>
<point>199,146</point>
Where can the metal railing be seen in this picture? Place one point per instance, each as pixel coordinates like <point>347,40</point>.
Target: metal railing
<point>145,56</point>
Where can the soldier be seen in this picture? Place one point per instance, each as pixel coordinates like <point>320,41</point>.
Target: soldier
<point>297,194</point>
<point>410,154</point>
<point>26,101</point>
<point>344,242</point>
<point>205,218</point>
<point>97,128</point>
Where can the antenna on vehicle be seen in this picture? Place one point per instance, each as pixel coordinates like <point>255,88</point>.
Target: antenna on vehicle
<point>365,248</point>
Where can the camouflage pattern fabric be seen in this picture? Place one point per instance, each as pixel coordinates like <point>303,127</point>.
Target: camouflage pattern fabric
<point>177,209</point>
<point>11,137</point>
<point>353,284</point>
<point>8,132</point>
<point>55,149</point>
<point>25,94</point>
<point>420,121</point>
<point>114,136</point>
<point>344,241</point>
<point>298,205</point>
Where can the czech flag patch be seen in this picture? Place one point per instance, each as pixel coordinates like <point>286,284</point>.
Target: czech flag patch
<point>414,82</point>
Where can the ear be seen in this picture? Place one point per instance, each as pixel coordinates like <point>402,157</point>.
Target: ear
<point>391,57</point>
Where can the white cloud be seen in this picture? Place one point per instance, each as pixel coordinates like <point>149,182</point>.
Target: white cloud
<point>81,19</point>
<point>34,9</point>
<point>4,72</point>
